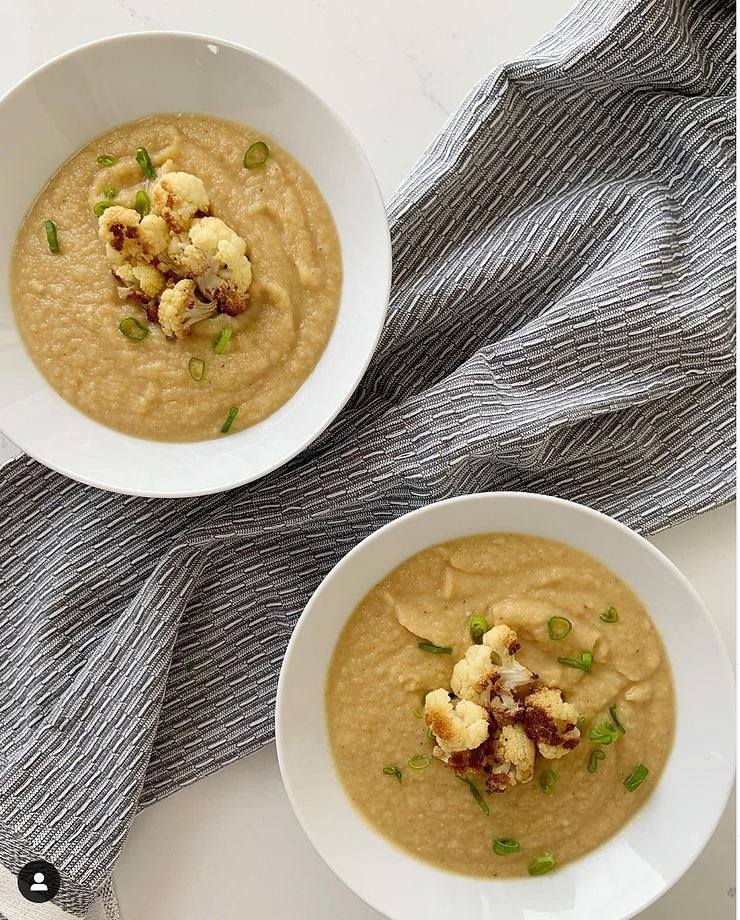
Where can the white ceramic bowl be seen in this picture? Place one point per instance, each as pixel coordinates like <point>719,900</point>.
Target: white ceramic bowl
<point>618,879</point>
<point>68,102</point>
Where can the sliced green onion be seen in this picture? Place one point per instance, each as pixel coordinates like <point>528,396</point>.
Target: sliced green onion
<point>593,760</point>
<point>620,728</point>
<point>191,664</point>
<point>51,236</point>
<point>558,628</point>
<point>476,795</point>
<point>142,203</point>
<point>635,779</point>
<point>585,664</point>
<point>197,368</point>
<point>611,615</point>
<point>223,340</point>
<point>541,865</point>
<point>106,159</point>
<point>418,714</point>
<point>603,734</point>
<point>478,629</point>
<point>102,206</point>
<point>502,846</point>
<point>430,733</point>
<point>229,419</point>
<point>133,329</point>
<point>580,720</point>
<point>393,771</point>
<point>109,192</point>
<point>435,649</point>
<point>256,155</point>
<point>142,158</point>
<point>419,762</point>
<point>547,781</point>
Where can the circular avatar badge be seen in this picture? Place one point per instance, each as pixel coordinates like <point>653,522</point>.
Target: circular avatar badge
<point>39,881</point>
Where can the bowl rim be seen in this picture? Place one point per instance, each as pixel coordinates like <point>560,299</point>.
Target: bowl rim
<point>669,879</point>
<point>385,268</point>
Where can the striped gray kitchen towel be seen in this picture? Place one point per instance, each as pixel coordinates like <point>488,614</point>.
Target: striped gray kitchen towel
<point>561,322</point>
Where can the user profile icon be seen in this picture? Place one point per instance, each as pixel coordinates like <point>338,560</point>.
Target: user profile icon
<point>39,881</point>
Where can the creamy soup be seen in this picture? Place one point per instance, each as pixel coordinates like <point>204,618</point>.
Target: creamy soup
<point>68,308</point>
<point>561,603</point>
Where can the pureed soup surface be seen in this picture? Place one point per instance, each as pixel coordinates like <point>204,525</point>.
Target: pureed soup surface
<point>68,310</point>
<point>378,677</point>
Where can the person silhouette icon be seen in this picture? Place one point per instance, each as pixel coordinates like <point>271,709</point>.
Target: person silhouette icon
<point>38,882</point>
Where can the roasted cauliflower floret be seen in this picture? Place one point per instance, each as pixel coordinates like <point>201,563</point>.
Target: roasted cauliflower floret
<point>129,238</point>
<point>179,309</point>
<point>177,197</point>
<point>473,674</point>
<point>457,726</point>
<point>226,248</point>
<point>551,722</point>
<point>504,644</point>
<point>513,754</point>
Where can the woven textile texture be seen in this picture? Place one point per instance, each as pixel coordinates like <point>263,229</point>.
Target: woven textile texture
<point>561,321</point>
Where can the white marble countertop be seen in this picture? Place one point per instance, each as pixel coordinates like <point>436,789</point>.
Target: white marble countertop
<point>229,847</point>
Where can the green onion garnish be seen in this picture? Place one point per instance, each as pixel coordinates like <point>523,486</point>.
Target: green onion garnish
<point>478,628</point>
<point>256,155</point>
<point>197,368</point>
<point>593,760</point>
<point>191,664</point>
<point>142,203</point>
<point>502,846</point>
<point>142,158</point>
<point>102,206</point>
<point>584,664</point>
<point>430,733</point>
<point>580,720</point>
<point>106,159</point>
<point>133,329</point>
<point>393,771</point>
<point>223,340</point>
<point>229,419</point>
<point>51,236</point>
<point>476,795</point>
<point>635,779</point>
<point>558,628</point>
<point>419,762</point>
<point>611,615</point>
<point>547,781</point>
<point>418,714</point>
<point>603,734</point>
<point>620,728</point>
<point>109,192</point>
<point>541,865</point>
<point>435,649</point>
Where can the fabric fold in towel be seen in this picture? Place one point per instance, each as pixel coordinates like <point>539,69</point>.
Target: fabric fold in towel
<point>561,321</point>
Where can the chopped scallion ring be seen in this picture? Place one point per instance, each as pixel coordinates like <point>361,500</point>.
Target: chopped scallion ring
<point>502,846</point>
<point>547,781</point>
<point>435,649</point>
<point>593,760</point>
<point>430,733</point>
<point>558,628</point>
<point>102,206</point>
<point>541,865</point>
<point>603,734</point>
<point>476,795</point>
<point>256,155</point>
<point>229,419</point>
<point>106,159</point>
<point>197,368</point>
<point>580,721</point>
<point>223,340</point>
<point>109,192</point>
<point>393,771</point>
<point>611,615</point>
<point>142,158</point>
<point>418,714</point>
<point>418,762</point>
<point>478,628</point>
<point>133,329</point>
<point>620,728</point>
<point>51,236</point>
<point>585,664</point>
<point>635,779</point>
<point>142,203</point>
